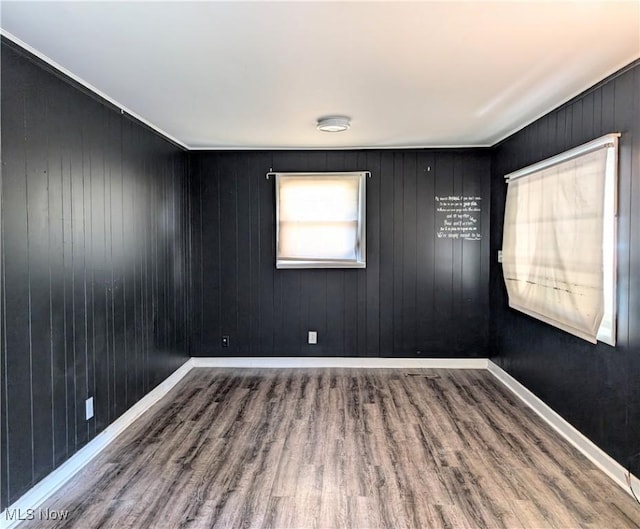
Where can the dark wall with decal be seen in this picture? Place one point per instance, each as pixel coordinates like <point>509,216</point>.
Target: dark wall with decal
<point>420,295</point>
<point>594,387</point>
<point>121,255</point>
<point>94,267</point>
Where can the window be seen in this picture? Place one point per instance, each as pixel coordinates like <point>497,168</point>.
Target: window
<point>559,240</point>
<point>320,220</point>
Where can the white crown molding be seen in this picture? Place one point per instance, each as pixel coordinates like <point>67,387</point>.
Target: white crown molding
<point>576,94</point>
<point>208,148</point>
<point>89,86</point>
<point>336,148</point>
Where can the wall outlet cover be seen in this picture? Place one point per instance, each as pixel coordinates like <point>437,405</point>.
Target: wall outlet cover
<point>313,337</point>
<point>88,405</point>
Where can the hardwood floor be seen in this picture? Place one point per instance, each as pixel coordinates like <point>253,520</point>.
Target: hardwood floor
<point>340,448</point>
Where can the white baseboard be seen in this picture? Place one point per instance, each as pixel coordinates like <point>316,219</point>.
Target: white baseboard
<point>45,488</point>
<point>35,496</point>
<point>350,362</point>
<point>590,450</point>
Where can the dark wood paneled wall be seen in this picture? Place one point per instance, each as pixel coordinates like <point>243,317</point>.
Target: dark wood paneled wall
<point>117,259</point>
<point>419,295</point>
<point>594,387</point>
<point>94,267</point>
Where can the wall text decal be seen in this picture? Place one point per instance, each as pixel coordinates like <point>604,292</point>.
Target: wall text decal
<point>458,217</point>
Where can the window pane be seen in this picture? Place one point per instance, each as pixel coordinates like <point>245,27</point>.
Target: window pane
<point>316,199</point>
<point>320,219</point>
<point>318,240</point>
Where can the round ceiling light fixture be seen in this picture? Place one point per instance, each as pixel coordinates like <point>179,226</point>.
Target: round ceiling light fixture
<point>334,124</point>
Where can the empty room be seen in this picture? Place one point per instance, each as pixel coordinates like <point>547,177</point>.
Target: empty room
<point>320,265</point>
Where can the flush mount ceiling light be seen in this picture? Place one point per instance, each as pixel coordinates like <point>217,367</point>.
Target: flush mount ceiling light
<point>333,124</point>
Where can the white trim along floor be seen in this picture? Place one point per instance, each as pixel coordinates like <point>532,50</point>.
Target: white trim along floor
<point>45,488</point>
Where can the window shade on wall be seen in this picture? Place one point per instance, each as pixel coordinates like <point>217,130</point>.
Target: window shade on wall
<point>320,220</point>
<point>557,240</point>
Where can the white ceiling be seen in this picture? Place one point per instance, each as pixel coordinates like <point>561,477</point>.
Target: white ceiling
<point>259,74</point>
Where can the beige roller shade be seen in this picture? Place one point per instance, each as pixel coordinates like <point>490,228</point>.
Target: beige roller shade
<point>558,240</point>
<point>320,220</point>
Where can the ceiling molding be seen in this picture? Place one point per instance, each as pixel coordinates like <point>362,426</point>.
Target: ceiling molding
<point>123,109</point>
<point>614,72</point>
<point>211,76</point>
<point>343,148</point>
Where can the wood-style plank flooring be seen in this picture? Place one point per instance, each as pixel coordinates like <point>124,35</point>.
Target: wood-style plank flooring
<point>340,448</point>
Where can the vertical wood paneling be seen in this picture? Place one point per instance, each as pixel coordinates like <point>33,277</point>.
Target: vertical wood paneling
<point>99,329</point>
<point>577,134</point>
<point>457,262</point>
<point>561,130</point>
<point>409,253</point>
<point>443,263</point>
<point>412,298</point>
<point>373,302</point>
<point>244,266</point>
<point>360,159</point>
<point>425,233</point>
<point>78,162</point>
<point>351,279</point>
<point>211,250</point>
<point>632,440</point>
<point>228,257</point>
<point>18,438</point>
<point>129,168</point>
<point>386,312</point>
<point>592,386</point>
<point>56,263</point>
<point>398,250</point>
<point>253,173</point>
<point>266,256</point>
<point>588,116</point>
<point>3,357</point>
<point>623,90</point>
<point>37,224</point>
<point>94,231</point>
<point>473,302</point>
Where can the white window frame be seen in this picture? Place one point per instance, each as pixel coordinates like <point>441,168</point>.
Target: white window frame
<point>360,244</point>
<point>607,330</point>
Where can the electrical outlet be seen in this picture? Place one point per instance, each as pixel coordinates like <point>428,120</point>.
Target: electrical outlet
<point>313,337</point>
<point>88,407</point>
<point>225,341</point>
<point>499,256</point>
